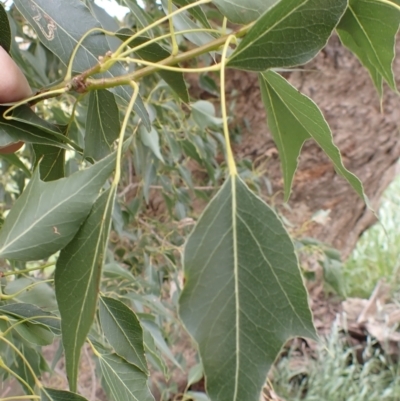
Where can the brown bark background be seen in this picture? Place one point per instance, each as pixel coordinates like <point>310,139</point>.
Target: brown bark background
<point>367,137</point>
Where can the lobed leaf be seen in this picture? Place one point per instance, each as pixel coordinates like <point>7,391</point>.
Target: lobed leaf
<point>47,215</point>
<point>368,29</point>
<point>102,124</point>
<point>77,279</point>
<point>290,33</point>
<point>244,296</point>
<point>123,331</point>
<point>293,118</point>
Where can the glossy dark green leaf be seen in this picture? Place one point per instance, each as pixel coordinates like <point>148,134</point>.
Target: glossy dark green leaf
<point>48,214</point>
<point>34,314</point>
<point>5,30</point>
<point>244,296</point>
<point>154,53</point>
<point>14,131</point>
<point>52,162</point>
<point>123,331</point>
<point>293,118</point>
<point>51,394</point>
<point>368,29</point>
<point>102,124</point>
<point>125,382</point>
<point>290,33</point>
<point>77,279</point>
<point>243,12</point>
<point>60,26</point>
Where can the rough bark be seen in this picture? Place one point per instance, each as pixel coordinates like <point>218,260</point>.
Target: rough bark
<point>367,137</point>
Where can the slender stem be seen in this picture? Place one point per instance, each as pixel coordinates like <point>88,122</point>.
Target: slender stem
<point>16,272</point>
<point>175,48</point>
<point>229,153</point>
<point>37,381</point>
<point>68,74</point>
<point>158,22</point>
<point>166,36</point>
<point>27,320</point>
<point>21,397</point>
<point>16,375</point>
<point>389,3</point>
<point>97,353</point>
<point>215,67</point>
<point>12,296</point>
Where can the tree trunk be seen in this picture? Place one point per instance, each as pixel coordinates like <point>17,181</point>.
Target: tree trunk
<point>367,137</point>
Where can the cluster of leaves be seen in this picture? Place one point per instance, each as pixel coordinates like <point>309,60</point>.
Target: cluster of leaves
<point>111,131</point>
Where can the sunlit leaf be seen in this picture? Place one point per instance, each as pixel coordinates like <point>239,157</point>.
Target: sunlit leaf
<point>102,124</point>
<point>51,394</point>
<point>48,214</point>
<point>196,12</point>
<point>368,29</point>
<point>290,33</point>
<point>77,279</point>
<point>244,296</point>
<point>123,331</point>
<point>293,118</point>
<point>60,26</point>
<point>243,12</point>
<point>5,31</point>
<point>125,382</point>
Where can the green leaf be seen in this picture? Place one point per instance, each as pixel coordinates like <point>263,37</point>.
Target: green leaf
<point>123,331</point>
<point>293,118</point>
<point>243,12</point>
<point>52,162</point>
<point>196,12</point>
<point>60,26</point>
<point>5,30</point>
<point>20,367</point>
<point>13,159</point>
<point>14,131</point>
<point>151,140</point>
<point>34,314</point>
<point>77,279</point>
<point>48,214</point>
<point>290,33</point>
<point>368,29</point>
<point>34,334</point>
<point>244,296</point>
<point>154,53</point>
<point>50,394</point>
<point>102,124</point>
<point>126,382</point>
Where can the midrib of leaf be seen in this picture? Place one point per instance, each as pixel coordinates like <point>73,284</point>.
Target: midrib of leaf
<point>271,28</point>
<point>100,119</point>
<point>92,267</point>
<point>123,331</point>
<point>102,360</point>
<point>369,41</point>
<point>236,278</point>
<point>43,216</point>
<point>271,268</point>
<point>284,155</point>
